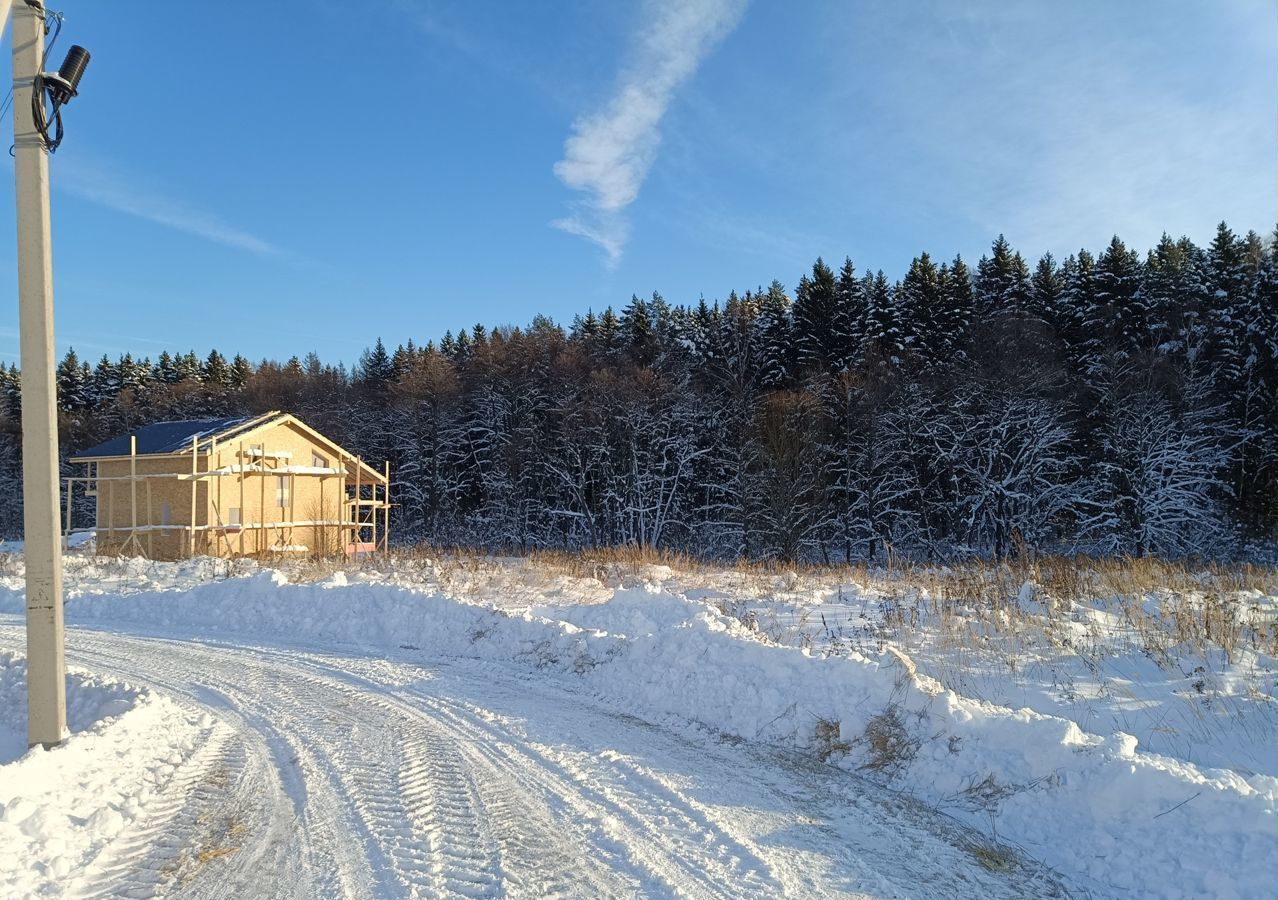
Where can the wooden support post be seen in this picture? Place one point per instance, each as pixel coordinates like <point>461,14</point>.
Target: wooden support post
<point>190,528</point>
<point>359,527</point>
<point>341,507</point>
<point>150,520</point>
<point>66,527</point>
<point>386,512</point>
<point>262,512</point>
<point>110,507</point>
<point>243,475</point>
<point>133,490</point>
<point>372,514</point>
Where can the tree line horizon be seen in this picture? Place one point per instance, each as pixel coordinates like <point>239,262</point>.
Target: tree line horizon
<point>1108,403</point>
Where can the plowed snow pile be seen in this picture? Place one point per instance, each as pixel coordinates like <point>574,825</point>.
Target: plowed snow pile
<point>1113,818</point>
<point>59,809</point>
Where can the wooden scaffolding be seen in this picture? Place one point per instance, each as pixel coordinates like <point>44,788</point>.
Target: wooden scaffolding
<point>361,527</point>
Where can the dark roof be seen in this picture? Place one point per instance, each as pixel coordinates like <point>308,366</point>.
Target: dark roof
<point>163,437</point>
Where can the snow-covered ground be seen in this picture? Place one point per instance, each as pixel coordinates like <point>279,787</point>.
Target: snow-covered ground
<point>505,730</point>
<point>61,812</point>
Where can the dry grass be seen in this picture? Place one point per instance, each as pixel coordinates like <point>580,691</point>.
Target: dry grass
<point>969,604</point>
<point>1163,606</point>
<point>991,855</point>
<point>827,741</point>
<point>889,746</point>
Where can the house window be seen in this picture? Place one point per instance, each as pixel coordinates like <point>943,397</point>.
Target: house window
<point>281,491</point>
<point>318,461</point>
<point>233,516</point>
<point>166,514</point>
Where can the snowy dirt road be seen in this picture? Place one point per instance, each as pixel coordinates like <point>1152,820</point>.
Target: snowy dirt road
<point>338,775</point>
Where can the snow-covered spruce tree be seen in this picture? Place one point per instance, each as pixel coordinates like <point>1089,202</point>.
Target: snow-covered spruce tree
<point>885,326</point>
<point>848,338</point>
<point>774,336</point>
<point>1119,303</point>
<point>922,295</point>
<point>817,321</point>
<point>1047,284</point>
<point>638,332</point>
<point>72,380</point>
<point>1073,308</point>
<point>1253,399</point>
<point>1002,281</point>
<point>958,309</point>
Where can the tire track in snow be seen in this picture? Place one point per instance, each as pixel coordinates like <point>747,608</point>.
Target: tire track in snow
<point>686,855</point>
<point>383,778</point>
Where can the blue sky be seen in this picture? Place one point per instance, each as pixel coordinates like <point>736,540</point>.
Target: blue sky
<point>312,177</point>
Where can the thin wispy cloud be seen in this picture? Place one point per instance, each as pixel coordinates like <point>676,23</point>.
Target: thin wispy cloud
<point>1061,137</point>
<point>113,191</point>
<point>609,152</point>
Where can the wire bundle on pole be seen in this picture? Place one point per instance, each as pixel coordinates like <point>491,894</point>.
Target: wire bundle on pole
<point>41,94</point>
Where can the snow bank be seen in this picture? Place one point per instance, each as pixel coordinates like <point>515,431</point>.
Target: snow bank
<point>1118,820</point>
<point>60,808</point>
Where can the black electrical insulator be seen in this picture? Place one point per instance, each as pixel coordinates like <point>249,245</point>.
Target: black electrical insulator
<point>64,86</point>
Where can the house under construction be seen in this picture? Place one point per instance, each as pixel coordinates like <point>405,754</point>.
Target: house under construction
<point>259,486</point>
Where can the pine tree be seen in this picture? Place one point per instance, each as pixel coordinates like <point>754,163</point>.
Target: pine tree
<point>73,387</point>
<point>1224,319</point>
<point>1077,299</point>
<point>215,371</point>
<point>462,348</point>
<point>849,322</point>
<point>241,371</point>
<point>187,367</point>
<point>375,366</point>
<point>815,312</point>
<point>11,391</point>
<point>132,374</point>
<point>165,370</point>
<point>637,332</point>
<point>401,360</point>
<point>921,293</point>
<point>1119,316</point>
<point>608,334</point>
<point>1046,287</point>
<point>958,310</point>
<point>774,336</point>
<point>884,325</point>
<point>1002,281</point>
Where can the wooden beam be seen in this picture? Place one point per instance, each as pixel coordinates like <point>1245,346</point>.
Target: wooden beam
<point>386,513</point>
<point>242,474</point>
<point>66,527</point>
<point>133,485</point>
<point>150,535</point>
<point>359,528</point>
<point>262,512</point>
<point>110,509</point>
<point>190,544</point>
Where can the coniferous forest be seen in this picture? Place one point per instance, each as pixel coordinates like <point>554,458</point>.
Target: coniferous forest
<point>1108,403</point>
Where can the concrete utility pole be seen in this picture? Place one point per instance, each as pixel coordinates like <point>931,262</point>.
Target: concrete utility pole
<point>41,516</point>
